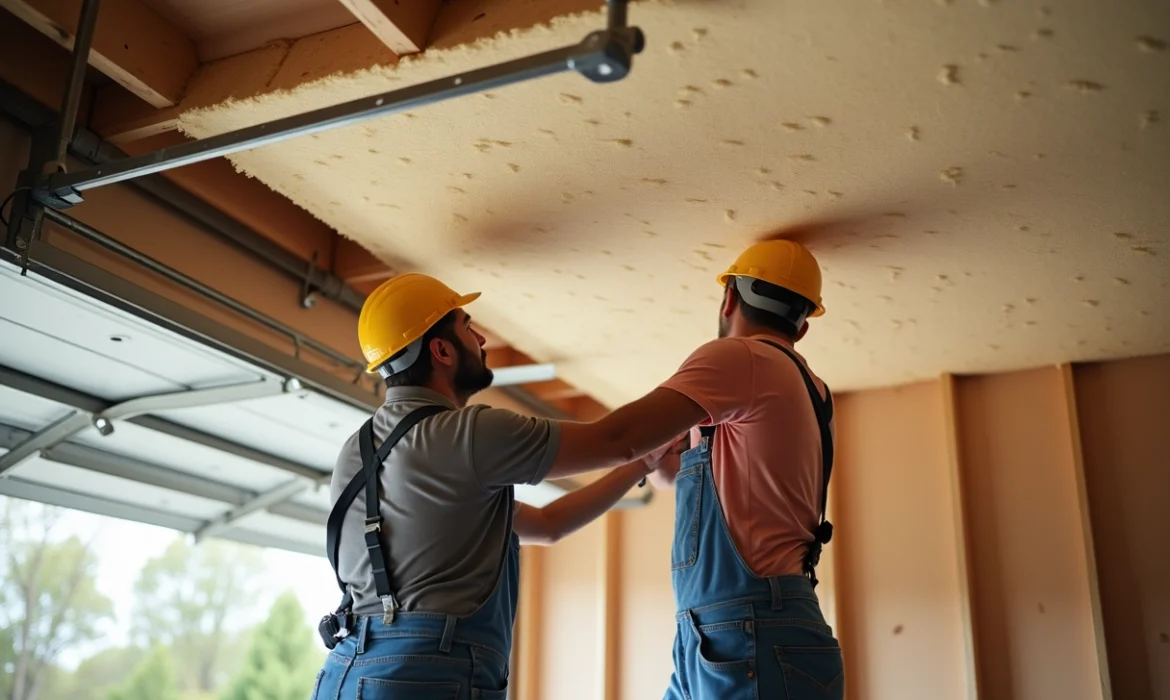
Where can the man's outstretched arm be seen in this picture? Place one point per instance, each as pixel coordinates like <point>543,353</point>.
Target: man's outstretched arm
<point>569,513</point>
<point>625,435</point>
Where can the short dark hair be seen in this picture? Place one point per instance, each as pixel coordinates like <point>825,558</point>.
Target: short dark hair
<point>787,327</point>
<point>423,368</point>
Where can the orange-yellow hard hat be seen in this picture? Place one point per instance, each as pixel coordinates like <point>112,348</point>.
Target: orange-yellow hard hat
<point>784,263</point>
<point>398,313</point>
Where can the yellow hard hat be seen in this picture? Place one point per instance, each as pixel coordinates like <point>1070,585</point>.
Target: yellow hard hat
<point>784,263</point>
<point>398,313</point>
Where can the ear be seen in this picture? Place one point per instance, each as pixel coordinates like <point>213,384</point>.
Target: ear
<point>442,352</point>
<point>803,330</point>
<point>729,300</point>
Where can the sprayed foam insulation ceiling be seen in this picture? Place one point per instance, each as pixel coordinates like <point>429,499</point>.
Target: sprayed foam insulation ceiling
<point>985,182</point>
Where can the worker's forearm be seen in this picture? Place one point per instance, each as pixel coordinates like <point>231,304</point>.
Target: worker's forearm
<point>570,513</point>
<point>625,435</point>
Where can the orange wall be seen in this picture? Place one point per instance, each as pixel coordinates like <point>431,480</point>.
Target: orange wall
<point>899,586</point>
<point>1125,434</point>
<point>645,661</point>
<point>1033,618</point>
<point>1001,536</point>
<point>571,602</point>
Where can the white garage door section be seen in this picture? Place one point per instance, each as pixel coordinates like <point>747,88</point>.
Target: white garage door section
<point>105,412</point>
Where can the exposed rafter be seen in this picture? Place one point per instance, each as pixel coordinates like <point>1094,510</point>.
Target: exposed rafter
<point>403,27</point>
<point>119,117</point>
<point>132,44</point>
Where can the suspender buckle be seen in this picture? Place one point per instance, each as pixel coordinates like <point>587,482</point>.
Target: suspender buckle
<point>389,607</point>
<point>374,524</point>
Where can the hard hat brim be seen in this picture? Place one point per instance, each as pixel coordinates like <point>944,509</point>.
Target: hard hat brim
<point>466,299</point>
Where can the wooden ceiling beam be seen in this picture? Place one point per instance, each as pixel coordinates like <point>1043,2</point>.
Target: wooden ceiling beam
<point>281,65</point>
<point>35,65</point>
<point>554,390</point>
<point>357,267</point>
<point>284,65</point>
<point>132,44</point>
<point>403,27</point>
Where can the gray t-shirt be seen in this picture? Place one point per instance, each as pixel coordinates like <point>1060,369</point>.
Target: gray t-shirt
<point>447,492</point>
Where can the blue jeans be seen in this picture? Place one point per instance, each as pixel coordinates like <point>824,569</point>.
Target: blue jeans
<point>407,660</point>
<point>748,650</point>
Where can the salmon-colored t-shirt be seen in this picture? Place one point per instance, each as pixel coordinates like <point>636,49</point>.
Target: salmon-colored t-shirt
<point>766,460</point>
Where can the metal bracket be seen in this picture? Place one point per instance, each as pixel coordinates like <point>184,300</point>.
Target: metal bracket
<point>604,56</point>
<point>274,496</point>
<point>308,290</point>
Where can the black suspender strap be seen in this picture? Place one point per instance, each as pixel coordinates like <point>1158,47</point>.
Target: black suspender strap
<point>823,408</point>
<point>372,462</point>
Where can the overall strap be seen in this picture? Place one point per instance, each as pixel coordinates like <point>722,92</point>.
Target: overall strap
<point>823,408</point>
<point>372,462</point>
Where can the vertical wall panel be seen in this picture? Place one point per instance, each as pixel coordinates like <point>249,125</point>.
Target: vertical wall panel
<point>1124,412</point>
<point>527,645</point>
<point>646,599</point>
<point>1033,612</point>
<point>569,627</point>
<point>899,593</point>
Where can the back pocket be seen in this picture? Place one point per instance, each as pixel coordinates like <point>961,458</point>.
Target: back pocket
<point>812,673</point>
<point>381,689</point>
<point>688,495</point>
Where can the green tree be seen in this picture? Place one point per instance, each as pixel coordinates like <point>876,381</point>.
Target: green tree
<point>282,662</point>
<point>48,597</point>
<point>97,675</point>
<point>153,679</point>
<point>187,599</point>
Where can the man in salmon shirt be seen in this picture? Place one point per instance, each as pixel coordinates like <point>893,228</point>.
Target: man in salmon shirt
<point>750,496</point>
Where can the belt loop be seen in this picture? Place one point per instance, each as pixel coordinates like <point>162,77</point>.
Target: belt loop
<point>448,634</point>
<point>777,596</point>
<point>363,626</point>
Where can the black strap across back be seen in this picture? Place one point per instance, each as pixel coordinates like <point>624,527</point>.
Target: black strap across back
<point>823,409</point>
<point>372,462</point>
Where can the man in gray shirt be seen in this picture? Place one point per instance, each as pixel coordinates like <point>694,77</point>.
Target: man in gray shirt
<point>430,574</point>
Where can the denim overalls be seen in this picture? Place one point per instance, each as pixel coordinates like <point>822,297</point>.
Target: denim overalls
<point>428,656</point>
<point>739,636</point>
<point>417,655</point>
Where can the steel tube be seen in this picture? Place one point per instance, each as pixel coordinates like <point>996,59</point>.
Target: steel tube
<point>70,101</point>
<point>617,13</point>
<point>345,114</point>
<point>174,275</point>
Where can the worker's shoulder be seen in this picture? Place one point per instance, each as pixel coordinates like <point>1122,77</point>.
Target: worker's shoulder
<point>729,348</point>
<point>458,425</point>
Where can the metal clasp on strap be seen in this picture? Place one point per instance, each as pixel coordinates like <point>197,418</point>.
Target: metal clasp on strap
<point>389,608</point>
<point>374,524</point>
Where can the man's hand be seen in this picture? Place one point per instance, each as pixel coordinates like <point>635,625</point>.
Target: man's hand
<point>663,463</point>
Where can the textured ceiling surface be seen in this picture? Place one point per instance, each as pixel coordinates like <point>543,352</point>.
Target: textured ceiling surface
<point>985,182</point>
